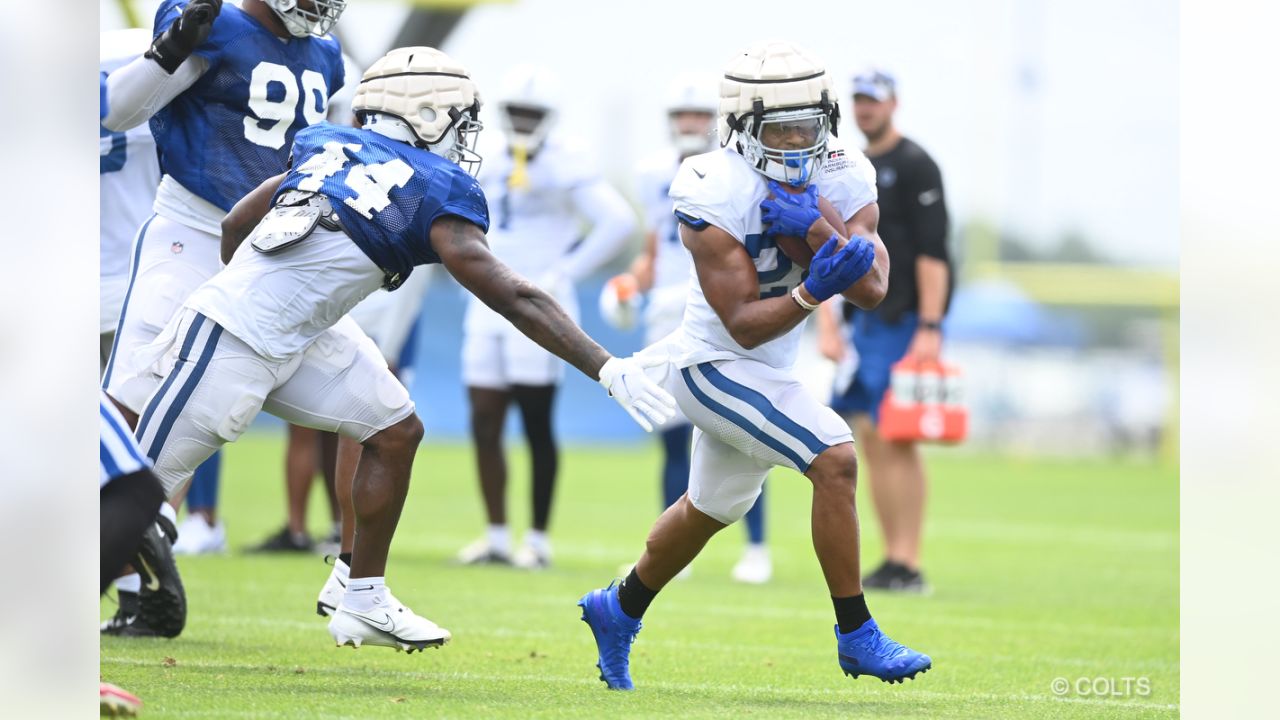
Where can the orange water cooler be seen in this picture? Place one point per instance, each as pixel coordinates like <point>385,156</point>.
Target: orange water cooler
<point>924,403</point>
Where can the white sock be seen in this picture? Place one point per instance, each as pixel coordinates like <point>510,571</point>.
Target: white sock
<point>364,594</point>
<point>341,569</point>
<point>167,510</point>
<point>129,583</point>
<point>499,538</point>
<point>537,539</point>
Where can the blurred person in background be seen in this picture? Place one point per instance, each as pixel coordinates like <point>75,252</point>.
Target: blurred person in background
<point>908,323</point>
<point>541,187</point>
<point>661,273</point>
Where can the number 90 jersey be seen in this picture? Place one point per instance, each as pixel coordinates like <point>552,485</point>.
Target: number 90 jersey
<point>720,188</point>
<point>232,129</point>
<point>385,192</point>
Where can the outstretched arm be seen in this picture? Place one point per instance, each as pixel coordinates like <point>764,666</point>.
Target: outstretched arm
<point>465,254</point>
<point>246,215</point>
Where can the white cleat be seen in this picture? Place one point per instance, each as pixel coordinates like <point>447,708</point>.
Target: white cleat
<point>331,594</point>
<point>197,537</point>
<point>390,624</point>
<point>481,552</point>
<point>755,567</point>
<point>530,558</point>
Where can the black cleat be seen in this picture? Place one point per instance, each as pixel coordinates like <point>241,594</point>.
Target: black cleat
<point>162,604</point>
<point>896,577</point>
<point>284,542</point>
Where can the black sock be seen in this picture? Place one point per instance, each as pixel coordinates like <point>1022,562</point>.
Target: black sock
<point>346,558</point>
<point>851,612</point>
<point>634,597</point>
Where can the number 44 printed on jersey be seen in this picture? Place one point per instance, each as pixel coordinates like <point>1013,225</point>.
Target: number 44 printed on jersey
<point>372,184</point>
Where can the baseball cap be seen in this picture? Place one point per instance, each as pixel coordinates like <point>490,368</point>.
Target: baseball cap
<point>876,84</point>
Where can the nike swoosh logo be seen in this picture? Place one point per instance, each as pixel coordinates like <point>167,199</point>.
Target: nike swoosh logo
<point>929,197</point>
<point>851,661</point>
<point>384,624</point>
<point>699,174</point>
<point>153,582</point>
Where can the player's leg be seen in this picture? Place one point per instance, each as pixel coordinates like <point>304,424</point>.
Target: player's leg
<point>723,483</point>
<point>342,384</point>
<point>212,388</point>
<point>346,460</point>
<point>488,412</point>
<point>769,415</point>
<point>675,462</point>
<point>202,532</point>
<point>755,567</point>
<point>536,405</point>
<point>128,506</point>
<point>533,375</point>
<point>329,443</point>
<point>895,471</point>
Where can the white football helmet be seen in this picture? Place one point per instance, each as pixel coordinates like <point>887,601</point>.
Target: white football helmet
<point>301,22</point>
<point>527,105</point>
<point>691,93</point>
<point>777,98</point>
<point>430,97</point>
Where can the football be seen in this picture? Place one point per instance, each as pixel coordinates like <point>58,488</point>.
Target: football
<point>797,249</point>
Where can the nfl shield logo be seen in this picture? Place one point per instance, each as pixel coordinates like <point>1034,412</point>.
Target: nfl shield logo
<point>176,247</point>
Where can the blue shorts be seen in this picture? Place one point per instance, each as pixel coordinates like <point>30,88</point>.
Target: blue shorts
<point>880,344</point>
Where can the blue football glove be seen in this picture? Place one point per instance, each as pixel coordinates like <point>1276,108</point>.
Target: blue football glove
<point>790,213</point>
<point>832,271</point>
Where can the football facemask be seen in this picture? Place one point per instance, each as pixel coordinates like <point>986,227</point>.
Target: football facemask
<point>787,145</point>
<point>301,22</point>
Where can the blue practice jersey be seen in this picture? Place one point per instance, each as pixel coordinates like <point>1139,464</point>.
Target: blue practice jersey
<point>387,193</point>
<point>232,129</point>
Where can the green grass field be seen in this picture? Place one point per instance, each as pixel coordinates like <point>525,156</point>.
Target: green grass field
<point>1041,570</point>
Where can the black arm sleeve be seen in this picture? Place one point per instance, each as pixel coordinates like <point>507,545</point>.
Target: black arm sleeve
<point>927,217</point>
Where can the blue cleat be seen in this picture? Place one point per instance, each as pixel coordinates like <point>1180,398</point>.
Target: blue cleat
<point>868,651</point>
<point>614,632</point>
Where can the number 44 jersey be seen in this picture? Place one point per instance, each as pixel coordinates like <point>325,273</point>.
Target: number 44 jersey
<point>232,129</point>
<point>386,193</point>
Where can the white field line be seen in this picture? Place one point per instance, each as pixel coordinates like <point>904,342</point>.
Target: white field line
<point>737,691</point>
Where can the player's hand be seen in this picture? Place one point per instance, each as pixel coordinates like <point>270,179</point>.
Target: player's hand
<point>788,213</point>
<point>186,34</point>
<point>832,271</point>
<point>926,346</point>
<point>646,402</point>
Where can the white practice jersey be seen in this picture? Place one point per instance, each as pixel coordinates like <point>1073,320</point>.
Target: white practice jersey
<point>664,306</point>
<point>535,226</point>
<point>720,188</point>
<point>128,176</point>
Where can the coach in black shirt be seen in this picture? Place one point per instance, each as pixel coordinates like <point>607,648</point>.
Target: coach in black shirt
<point>913,225</point>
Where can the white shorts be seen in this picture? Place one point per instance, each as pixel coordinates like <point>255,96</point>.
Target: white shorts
<point>747,417</point>
<point>212,385</point>
<point>495,355</point>
<point>170,261</point>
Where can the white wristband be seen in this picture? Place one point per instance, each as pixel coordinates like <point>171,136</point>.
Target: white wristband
<point>795,295</point>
